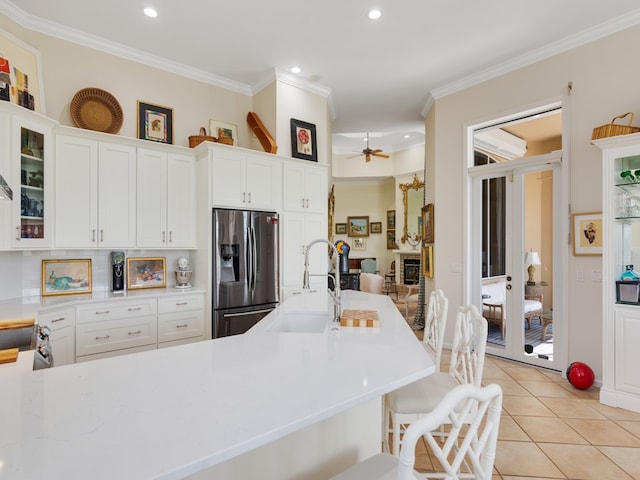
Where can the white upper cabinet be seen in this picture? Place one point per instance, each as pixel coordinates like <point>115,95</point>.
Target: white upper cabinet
<point>166,200</point>
<point>305,188</point>
<point>95,193</point>
<point>240,179</point>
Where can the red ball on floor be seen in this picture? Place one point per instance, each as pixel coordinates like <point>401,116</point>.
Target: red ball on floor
<point>580,375</point>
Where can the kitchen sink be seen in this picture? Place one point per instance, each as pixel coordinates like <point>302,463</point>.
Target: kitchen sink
<point>301,322</point>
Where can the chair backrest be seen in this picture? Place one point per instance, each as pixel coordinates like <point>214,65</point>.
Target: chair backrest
<point>371,282</point>
<point>435,324</point>
<point>469,346</point>
<point>472,439</point>
<point>368,265</point>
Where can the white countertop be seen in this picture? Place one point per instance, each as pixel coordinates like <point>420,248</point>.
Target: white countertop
<point>172,412</point>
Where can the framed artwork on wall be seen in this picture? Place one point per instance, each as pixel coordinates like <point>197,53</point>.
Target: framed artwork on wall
<point>303,140</point>
<point>427,261</point>
<point>66,277</point>
<point>146,272</point>
<point>586,232</point>
<point>391,219</point>
<point>391,240</point>
<point>376,227</point>
<point>427,223</point>
<point>155,123</point>
<point>341,228</point>
<point>226,133</point>
<point>358,226</point>
<point>359,243</point>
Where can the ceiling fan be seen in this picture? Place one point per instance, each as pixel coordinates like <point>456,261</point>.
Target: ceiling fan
<point>368,152</point>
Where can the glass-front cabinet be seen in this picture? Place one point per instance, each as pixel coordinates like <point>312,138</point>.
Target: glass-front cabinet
<point>32,175</point>
<point>621,255</point>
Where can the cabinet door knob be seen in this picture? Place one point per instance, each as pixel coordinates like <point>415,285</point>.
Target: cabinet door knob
<point>102,337</point>
<point>179,304</point>
<point>101,235</point>
<point>93,235</point>
<point>134,309</point>
<point>57,319</point>
<point>249,197</point>
<point>164,237</point>
<point>184,325</point>
<point>170,237</point>
<point>19,237</point>
<point>103,312</point>
<point>137,332</point>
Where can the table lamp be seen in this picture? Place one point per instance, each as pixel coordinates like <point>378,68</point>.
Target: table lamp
<point>532,258</point>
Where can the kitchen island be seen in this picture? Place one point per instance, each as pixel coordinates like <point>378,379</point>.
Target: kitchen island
<point>274,403</point>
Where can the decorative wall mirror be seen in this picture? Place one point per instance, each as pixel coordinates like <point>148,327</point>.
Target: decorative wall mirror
<point>412,203</point>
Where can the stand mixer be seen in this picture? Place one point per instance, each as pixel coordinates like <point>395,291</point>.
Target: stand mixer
<point>183,274</point>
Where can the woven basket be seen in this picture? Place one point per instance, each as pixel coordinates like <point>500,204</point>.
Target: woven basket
<point>613,129</point>
<point>195,140</point>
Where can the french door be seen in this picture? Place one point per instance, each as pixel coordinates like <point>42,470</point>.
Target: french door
<point>515,210</point>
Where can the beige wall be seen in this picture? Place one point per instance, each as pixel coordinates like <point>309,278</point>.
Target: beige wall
<point>370,198</point>
<point>604,76</point>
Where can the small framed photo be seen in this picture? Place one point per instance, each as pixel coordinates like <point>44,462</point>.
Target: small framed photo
<point>586,232</point>
<point>341,228</point>
<point>146,272</point>
<point>303,140</point>
<point>427,261</point>
<point>66,277</point>
<point>376,227</point>
<point>391,240</point>
<point>391,219</point>
<point>359,243</point>
<point>358,226</point>
<point>226,133</point>
<point>155,123</point>
<point>427,223</point>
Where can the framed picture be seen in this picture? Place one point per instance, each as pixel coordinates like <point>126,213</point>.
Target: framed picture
<point>391,219</point>
<point>303,140</point>
<point>146,272</point>
<point>359,244</point>
<point>376,227</point>
<point>66,277</point>
<point>358,226</point>
<point>155,123</point>
<point>341,228</point>
<point>427,223</point>
<point>226,133</point>
<point>427,261</point>
<point>586,231</point>
<point>20,67</point>
<point>391,240</point>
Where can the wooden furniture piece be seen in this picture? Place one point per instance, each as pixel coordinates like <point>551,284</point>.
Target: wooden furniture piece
<point>390,284</point>
<point>408,404</point>
<point>546,318</point>
<point>469,451</point>
<point>533,302</point>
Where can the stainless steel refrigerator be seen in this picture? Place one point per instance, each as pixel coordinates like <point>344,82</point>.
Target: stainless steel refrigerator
<point>245,269</point>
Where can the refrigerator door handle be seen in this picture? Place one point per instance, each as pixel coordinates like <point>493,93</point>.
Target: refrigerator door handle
<point>244,314</point>
<point>249,262</point>
<point>254,257</point>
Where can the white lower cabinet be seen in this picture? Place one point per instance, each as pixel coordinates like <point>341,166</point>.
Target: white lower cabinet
<point>116,326</point>
<point>62,323</point>
<point>180,320</point>
<point>627,333</point>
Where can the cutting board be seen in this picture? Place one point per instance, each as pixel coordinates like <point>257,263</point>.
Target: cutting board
<point>9,355</point>
<point>359,318</point>
<point>17,323</point>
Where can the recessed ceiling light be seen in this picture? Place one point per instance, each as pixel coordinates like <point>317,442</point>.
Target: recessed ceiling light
<point>375,14</point>
<point>295,70</point>
<point>150,12</point>
<point>406,136</point>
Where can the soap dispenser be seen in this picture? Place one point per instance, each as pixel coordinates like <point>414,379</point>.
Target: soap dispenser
<point>629,274</point>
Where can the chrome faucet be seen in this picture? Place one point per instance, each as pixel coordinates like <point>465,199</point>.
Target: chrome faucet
<point>335,295</point>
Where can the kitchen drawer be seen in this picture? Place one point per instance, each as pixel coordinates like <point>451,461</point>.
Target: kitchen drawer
<point>58,318</point>
<point>117,353</point>
<point>99,312</point>
<point>109,335</point>
<point>179,304</point>
<point>177,326</point>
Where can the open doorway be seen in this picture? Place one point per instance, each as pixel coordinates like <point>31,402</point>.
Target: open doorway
<point>515,182</point>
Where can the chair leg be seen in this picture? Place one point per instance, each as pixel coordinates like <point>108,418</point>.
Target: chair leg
<point>395,435</point>
<point>385,426</point>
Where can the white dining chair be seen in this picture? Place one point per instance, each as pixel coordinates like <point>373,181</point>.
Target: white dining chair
<point>410,298</point>
<point>433,340</point>
<point>415,400</point>
<point>469,451</point>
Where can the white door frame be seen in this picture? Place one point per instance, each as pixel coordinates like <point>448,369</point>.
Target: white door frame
<point>561,224</point>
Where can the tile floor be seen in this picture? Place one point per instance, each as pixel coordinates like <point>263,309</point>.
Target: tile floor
<point>550,430</point>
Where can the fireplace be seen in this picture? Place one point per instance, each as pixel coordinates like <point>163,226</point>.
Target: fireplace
<point>411,271</point>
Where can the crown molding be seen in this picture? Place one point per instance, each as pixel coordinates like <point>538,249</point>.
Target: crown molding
<point>94,42</point>
<point>573,41</point>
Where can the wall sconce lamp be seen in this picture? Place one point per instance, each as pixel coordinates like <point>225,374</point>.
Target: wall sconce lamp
<point>532,258</point>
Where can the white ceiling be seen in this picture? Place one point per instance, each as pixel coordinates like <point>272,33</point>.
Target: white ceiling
<point>380,74</point>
